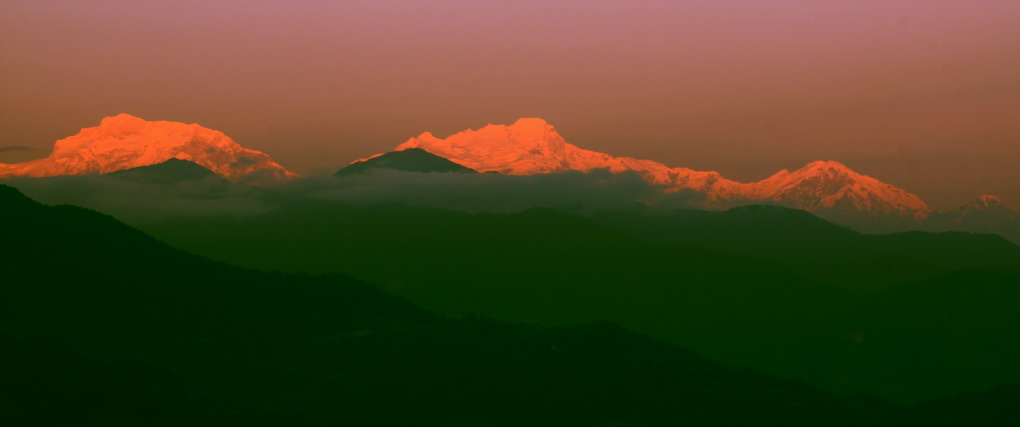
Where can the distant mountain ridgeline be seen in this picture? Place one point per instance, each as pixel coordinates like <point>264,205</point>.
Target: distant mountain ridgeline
<point>907,316</point>
<point>829,189</point>
<point>530,146</point>
<point>406,177</point>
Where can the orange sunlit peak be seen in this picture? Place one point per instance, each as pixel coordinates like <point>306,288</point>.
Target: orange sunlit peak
<point>125,141</point>
<point>531,121</point>
<point>825,164</point>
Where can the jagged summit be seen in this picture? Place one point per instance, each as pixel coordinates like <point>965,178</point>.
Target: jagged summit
<point>533,146</point>
<point>829,169</point>
<point>125,141</point>
<point>831,184</point>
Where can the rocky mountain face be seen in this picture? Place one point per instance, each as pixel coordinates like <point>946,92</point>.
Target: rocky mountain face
<point>124,142</point>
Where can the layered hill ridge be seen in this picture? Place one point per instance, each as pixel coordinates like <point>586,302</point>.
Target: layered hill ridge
<point>162,337</point>
<point>533,146</point>
<point>124,142</point>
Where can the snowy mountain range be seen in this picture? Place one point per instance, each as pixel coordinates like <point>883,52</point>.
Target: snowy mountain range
<point>529,146</point>
<point>533,146</point>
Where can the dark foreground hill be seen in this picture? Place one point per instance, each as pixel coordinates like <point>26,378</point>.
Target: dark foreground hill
<point>103,325</point>
<point>777,290</point>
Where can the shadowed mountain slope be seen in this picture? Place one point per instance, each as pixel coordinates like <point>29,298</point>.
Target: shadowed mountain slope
<point>168,172</point>
<point>409,160</point>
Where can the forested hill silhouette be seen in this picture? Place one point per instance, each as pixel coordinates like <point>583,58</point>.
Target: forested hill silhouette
<point>409,160</point>
<point>102,324</point>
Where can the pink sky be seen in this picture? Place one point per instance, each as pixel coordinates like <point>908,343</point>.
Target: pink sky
<point>923,94</point>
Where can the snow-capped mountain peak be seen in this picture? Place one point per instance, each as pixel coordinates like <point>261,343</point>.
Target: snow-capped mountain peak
<point>125,141</point>
<point>526,147</point>
<point>828,184</point>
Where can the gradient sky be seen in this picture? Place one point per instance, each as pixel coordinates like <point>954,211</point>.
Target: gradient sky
<point>923,94</point>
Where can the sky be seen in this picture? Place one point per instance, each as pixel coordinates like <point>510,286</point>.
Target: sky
<point>922,94</point>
